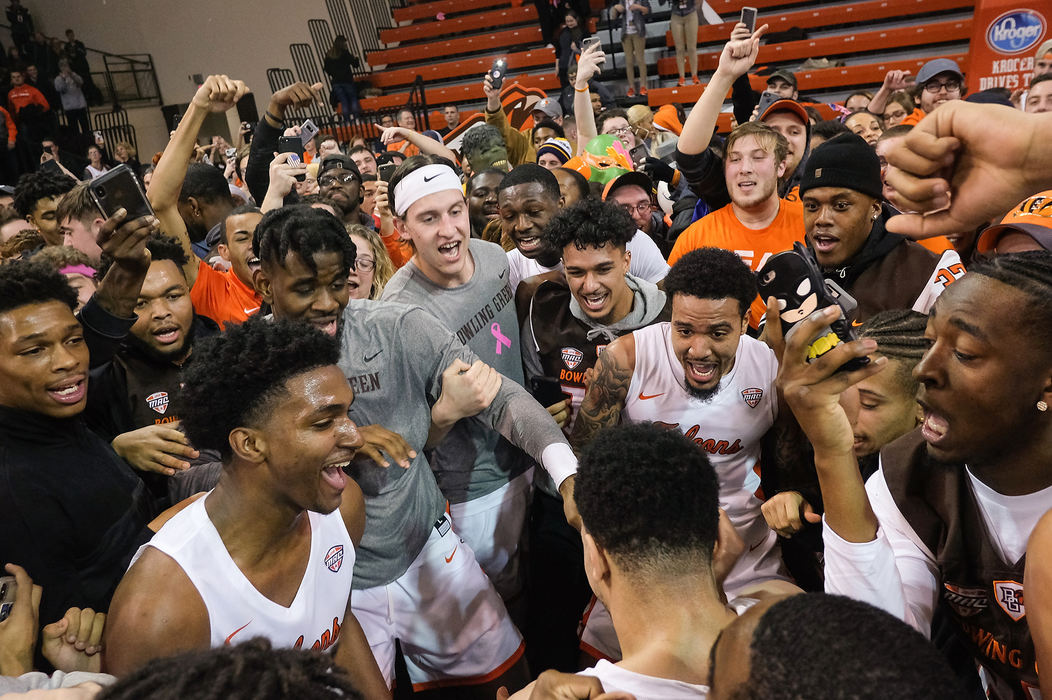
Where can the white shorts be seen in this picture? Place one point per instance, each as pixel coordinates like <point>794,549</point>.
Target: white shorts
<point>493,526</point>
<point>451,623</point>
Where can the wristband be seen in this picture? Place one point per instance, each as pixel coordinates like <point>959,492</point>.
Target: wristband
<point>279,120</point>
<point>584,89</point>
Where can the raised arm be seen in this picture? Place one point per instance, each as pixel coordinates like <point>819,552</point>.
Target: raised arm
<point>737,58</point>
<point>426,144</point>
<point>218,94</point>
<point>894,80</point>
<point>269,130</point>
<point>588,65</point>
<point>605,398</point>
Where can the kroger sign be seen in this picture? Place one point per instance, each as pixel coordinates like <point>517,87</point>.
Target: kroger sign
<point>1015,31</point>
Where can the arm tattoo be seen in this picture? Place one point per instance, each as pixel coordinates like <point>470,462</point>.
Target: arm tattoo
<point>602,404</point>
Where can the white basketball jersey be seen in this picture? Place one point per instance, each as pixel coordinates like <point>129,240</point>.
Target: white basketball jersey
<point>236,610</point>
<point>643,687</point>
<point>729,427</point>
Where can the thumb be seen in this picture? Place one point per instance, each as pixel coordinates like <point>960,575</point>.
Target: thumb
<point>810,515</point>
<point>502,693</point>
<point>55,629</point>
<point>316,87</point>
<point>458,366</point>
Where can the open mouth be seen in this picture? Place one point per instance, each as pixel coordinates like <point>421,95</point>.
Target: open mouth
<point>934,427</point>
<point>824,243</point>
<point>702,372</point>
<point>334,476</point>
<point>746,186</point>
<point>253,263</point>
<point>594,302</point>
<point>450,251</point>
<point>70,391</point>
<point>528,244</point>
<point>166,335</point>
<point>326,324</point>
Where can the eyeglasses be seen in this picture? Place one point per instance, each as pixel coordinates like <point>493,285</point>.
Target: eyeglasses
<point>937,85</point>
<point>329,180</point>
<point>644,208</point>
<point>620,131</point>
<point>364,264</point>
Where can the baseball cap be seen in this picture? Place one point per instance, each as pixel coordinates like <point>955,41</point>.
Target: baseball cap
<point>338,160</point>
<point>939,65</point>
<point>1032,216</point>
<point>787,106</point>
<point>1043,50</point>
<point>549,106</point>
<point>8,190</point>
<point>784,74</point>
<point>633,177</point>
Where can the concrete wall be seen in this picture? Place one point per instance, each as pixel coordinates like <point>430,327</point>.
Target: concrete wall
<point>240,38</point>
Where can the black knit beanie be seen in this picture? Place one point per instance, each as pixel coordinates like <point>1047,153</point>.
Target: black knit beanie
<point>843,161</point>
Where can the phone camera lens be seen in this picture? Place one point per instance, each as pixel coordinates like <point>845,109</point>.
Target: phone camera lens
<point>3,591</point>
<point>100,191</point>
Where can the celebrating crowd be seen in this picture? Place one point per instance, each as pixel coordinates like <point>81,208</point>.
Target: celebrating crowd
<point>612,407</point>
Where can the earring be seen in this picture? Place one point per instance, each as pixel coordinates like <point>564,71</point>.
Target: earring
<point>1042,406</point>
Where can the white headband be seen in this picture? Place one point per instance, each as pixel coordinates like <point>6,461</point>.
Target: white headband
<point>418,184</point>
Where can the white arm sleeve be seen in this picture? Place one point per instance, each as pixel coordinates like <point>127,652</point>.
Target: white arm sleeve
<point>894,572</point>
<point>647,261</point>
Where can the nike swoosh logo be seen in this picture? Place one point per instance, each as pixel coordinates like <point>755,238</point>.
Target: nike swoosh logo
<point>369,358</point>
<point>451,555</point>
<point>502,273</point>
<point>236,631</point>
<point>253,310</point>
<point>429,179</point>
<point>856,324</point>
<point>757,544</point>
<point>644,397</point>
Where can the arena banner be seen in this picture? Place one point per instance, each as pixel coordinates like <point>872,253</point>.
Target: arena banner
<point>1005,36</point>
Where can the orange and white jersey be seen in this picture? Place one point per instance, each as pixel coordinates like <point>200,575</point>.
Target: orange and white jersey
<point>729,427</point>
<point>236,610</point>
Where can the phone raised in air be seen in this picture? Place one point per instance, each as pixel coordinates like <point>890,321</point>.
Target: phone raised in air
<point>638,154</point>
<point>293,146</point>
<point>767,99</point>
<point>308,130</point>
<point>496,73</point>
<point>386,171</point>
<point>749,18</point>
<point>119,188</point>
<point>589,42</point>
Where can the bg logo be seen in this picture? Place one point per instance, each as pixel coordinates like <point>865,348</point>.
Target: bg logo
<point>1015,31</point>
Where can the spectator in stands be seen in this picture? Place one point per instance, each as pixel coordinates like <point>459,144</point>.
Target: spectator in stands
<point>68,85</point>
<point>633,19</point>
<point>845,221</point>
<point>483,147</point>
<point>340,181</point>
<point>21,23</point>
<point>553,153</point>
<point>36,199</point>
<point>428,142</point>
<point>866,125</point>
<point>1039,95</point>
<point>30,110</point>
<point>634,192</point>
<point>405,119</point>
<point>900,105</point>
<point>683,24</point>
<point>483,208</point>
<point>364,160</point>
<point>569,44</point>
<point>858,101</point>
<point>372,265</point>
<point>44,82</point>
<point>125,153</point>
<point>782,82</point>
<point>328,146</point>
<point>7,159</point>
<point>825,130</point>
<point>95,165</point>
<point>1043,60</point>
<point>757,223</point>
<point>761,655</point>
<point>451,113</point>
<point>77,54</point>
<point>600,93</point>
<point>940,81</point>
<point>339,64</point>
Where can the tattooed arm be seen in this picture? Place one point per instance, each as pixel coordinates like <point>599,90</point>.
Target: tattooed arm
<point>607,391</point>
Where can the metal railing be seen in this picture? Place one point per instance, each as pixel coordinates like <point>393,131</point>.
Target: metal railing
<point>128,79</point>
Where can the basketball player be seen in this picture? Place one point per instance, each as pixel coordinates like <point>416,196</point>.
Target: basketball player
<point>270,550</point>
<point>701,375</point>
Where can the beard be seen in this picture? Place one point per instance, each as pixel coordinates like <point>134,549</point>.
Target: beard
<point>171,355</point>
<point>703,395</point>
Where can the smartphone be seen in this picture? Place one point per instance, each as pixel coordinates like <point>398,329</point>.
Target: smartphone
<point>98,135</point>
<point>293,146</point>
<point>749,18</point>
<point>639,156</point>
<point>797,282</point>
<point>230,152</point>
<point>589,42</point>
<point>547,391</point>
<point>767,99</point>
<point>496,73</point>
<point>386,171</point>
<point>119,188</point>
<point>7,596</point>
<point>308,130</point>
<point>51,166</point>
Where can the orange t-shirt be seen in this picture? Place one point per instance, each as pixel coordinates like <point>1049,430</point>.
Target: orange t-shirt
<point>721,229</point>
<point>936,244</point>
<point>913,118</point>
<point>222,297</point>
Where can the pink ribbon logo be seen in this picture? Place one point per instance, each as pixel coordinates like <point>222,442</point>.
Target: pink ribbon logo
<point>501,338</point>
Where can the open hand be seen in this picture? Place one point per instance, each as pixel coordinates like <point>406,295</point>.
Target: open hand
<point>156,448</point>
<point>379,440</point>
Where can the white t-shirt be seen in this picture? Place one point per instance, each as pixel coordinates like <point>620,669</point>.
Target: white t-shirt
<point>897,572</point>
<point>615,678</point>
<point>647,262</point>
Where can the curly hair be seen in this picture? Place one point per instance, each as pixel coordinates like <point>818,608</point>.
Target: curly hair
<point>248,671</point>
<point>548,124</point>
<point>900,338</point>
<point>590,222</point>
<point>1031,274</point>
<point>383,267</point>
<point>25,241</point>
<point>60,256</point>
<point>479,139</point>
<point>713,273</point>
<point>302,230</point>
<point>851,649</point>
<point>161,247</point>
<point>24,282</point>
<point>204,182</point>
<point>236,376</point>
<point>531,172</point>
<point>650,497</point>
<point>32,187</point>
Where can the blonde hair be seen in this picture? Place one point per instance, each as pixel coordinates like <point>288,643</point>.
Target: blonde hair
<point>383,268</point>
<point>128,148</point>
<point>769,139</point>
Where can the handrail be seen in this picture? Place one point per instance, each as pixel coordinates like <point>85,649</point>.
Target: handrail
<point>88,48</point>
